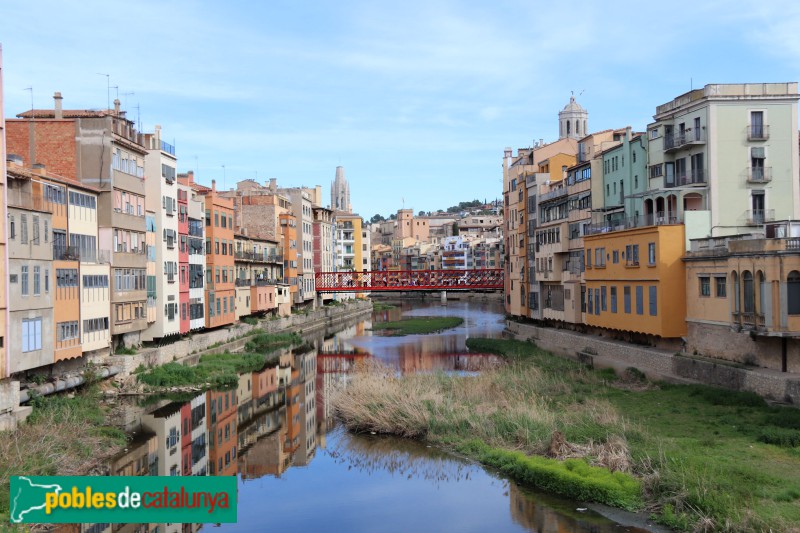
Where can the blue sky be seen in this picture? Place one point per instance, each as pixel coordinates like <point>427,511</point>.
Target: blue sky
<point>416,99</point>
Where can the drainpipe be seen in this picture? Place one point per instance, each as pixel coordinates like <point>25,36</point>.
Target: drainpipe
<point>64,384</point>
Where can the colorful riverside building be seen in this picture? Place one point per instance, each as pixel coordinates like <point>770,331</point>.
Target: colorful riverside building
<point>59,280</point>
<point>259,271</point>
<point>743,297</point>
<point>100,149</point>
<point>183,257</point>
<point>708,176</point>
<point>219,279</point>
<point>161,199</point>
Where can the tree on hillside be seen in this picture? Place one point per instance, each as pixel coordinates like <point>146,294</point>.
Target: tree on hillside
<point>377,218</point>
<point>421,214</point>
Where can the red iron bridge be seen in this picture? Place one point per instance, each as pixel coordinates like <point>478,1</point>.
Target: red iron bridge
<point>410,280</point>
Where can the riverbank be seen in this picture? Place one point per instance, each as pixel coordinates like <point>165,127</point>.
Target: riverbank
<point>691,455</point>
<point>63,436</point>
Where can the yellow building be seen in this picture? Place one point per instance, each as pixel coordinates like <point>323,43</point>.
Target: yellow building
<point>743,297</point>
<point>636,281</point>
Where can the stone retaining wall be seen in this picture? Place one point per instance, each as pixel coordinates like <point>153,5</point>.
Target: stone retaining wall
<point>659,364</point>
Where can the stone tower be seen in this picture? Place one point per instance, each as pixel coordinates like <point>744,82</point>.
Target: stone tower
<point>573,121</point>
<point>340,192</point>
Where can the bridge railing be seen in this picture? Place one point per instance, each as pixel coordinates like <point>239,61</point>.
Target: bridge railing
<point>409,280</point>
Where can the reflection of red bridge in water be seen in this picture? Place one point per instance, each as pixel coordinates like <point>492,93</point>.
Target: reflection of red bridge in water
<point>409,280</point>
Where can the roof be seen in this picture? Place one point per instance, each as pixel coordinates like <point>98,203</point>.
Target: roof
<point>573,105</point>
<point>66,113</point>
<point>22,172</point>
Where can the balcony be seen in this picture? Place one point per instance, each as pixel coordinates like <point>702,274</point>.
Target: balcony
<point>759,174</point>
<point>756,217</point>
<point>749,321</point>
<point>74,253</point>
<point>242,282</point>
<point>693,177</point>
<point>662,218</point>
<point>683,139</point>
<point>166,147</point>
<point>757,133</point>
<point>257,257</point>
<point>558,193</point>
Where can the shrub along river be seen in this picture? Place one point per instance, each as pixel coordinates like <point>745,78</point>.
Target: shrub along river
<point>299,470</point>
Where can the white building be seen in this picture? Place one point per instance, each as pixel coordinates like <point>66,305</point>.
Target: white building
<point>161,197</point>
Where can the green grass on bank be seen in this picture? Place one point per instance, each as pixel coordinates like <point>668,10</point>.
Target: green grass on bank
<point>697,457</point>
<point>219,370</point>
<point>62,436</point>
<point>381,306</point>
<point>709,456</point>
<point>419,325</point>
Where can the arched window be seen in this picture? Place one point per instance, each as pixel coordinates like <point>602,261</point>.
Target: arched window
<point>736,292</point>
<point>749,292</point>
<point>568,126</point>
<point>584,128</point>
<point>762,292</point>
<point>577,128</point>
<point>793,292</point>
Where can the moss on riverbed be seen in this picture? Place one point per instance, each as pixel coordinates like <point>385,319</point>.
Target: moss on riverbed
<point>220,371</point>
<point>418,325</point>
<point>694,456</point>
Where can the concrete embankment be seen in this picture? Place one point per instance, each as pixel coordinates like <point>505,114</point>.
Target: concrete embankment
<point>189,349</point>
<point>601,352</point>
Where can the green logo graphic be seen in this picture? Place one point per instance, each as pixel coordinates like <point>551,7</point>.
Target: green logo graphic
<point>122,499</point>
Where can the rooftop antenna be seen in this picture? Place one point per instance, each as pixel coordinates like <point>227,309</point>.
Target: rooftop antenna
<point>116,88</point>
<point>108,89</point>
<point>138,117</point>
<point>126,95</point>
<point>31,90</point>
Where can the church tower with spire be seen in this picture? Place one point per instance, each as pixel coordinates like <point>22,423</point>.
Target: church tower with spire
<point>573,121</point>
<point>340,192</point>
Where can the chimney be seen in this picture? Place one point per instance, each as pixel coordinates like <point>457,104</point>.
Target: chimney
<point>628,133</point>
<point>273,185</point>
<point>318,193</point>
<point>190,176</point>
<point>59,112</point>
<point>39,168</point>
<point>116,106</point>
<point>214,185</point>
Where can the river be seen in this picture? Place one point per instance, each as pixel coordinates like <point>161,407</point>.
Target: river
<point>298,470</point>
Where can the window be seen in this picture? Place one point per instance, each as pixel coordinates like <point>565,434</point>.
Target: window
<point>67,331</point>
<point>632,255</point>
<point>23,222</point>
<point>600,257</point>
<point>721,288</point>
<point>654,133</point>
<point>653,300</point>
<point>31,334</point>
<point>793,292</point>
<point>705,286</point>
<point>651,253</point>
<point>37,284</point>
<point>35,223</point>
<point>749,292</point>
<point>736,292</point>
<point>24,283</point>
<point>639,300</point>
<point>615,256</point>
<point>12,228</point>
<point>603,297</point>
<point>613,299</point>
<point>590,306</point>
<point>626,293</point>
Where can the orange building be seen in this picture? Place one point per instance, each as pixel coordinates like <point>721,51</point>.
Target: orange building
<point>222,432</point>
<point>220,277</point>
<point>289,242</point>
<point>636,280</point>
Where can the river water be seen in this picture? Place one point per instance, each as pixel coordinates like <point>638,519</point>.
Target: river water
<point>298,470</point>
